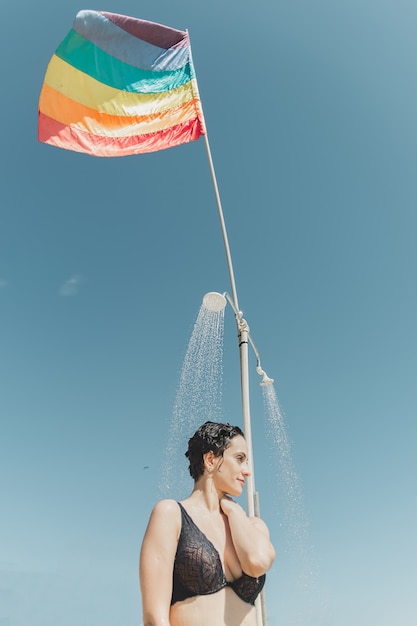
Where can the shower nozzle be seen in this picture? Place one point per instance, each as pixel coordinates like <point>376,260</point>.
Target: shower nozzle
<point>214,301</point>
<point>266,381</point>
<point>265,378</point>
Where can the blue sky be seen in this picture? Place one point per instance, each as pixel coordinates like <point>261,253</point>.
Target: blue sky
<point>310,109</point>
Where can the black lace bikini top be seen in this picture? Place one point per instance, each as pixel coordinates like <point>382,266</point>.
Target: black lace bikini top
<point>198,570</point>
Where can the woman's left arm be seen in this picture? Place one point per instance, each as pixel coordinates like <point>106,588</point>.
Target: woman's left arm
<point>250,537</point>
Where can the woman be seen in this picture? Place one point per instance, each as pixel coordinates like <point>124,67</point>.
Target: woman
<point>203,560</point>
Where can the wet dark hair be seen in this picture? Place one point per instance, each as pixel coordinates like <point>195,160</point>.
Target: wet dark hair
<point>210,437</point>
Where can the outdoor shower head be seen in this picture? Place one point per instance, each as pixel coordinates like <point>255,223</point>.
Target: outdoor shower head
<point>265,378</point>
<point>214,301</point>
<point>266,381</point>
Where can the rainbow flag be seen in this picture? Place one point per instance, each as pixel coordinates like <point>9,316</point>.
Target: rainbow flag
<point>118,85</point>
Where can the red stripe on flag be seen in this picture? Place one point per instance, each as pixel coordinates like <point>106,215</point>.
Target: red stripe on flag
<point>56,134</point>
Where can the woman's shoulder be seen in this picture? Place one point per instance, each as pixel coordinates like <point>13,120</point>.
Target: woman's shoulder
<point>167,508</point>
<point>165,520</point>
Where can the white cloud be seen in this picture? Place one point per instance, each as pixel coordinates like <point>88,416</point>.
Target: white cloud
<point>71,285</point>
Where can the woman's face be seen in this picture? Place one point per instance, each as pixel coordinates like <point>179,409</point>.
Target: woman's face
<point>232,469</point>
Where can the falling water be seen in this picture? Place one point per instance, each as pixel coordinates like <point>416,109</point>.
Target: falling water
<point>198,398</point>
<point>289,486</point>
<point>303,600</point>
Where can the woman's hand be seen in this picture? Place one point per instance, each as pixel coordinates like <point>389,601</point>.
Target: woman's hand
<point>227,505</point>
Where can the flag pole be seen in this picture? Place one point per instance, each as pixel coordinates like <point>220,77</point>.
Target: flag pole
<point>222,224</point>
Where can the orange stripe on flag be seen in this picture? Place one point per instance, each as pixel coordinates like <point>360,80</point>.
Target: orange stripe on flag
<point>66,111</point>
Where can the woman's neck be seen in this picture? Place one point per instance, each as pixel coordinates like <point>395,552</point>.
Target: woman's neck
<point>205,495</point>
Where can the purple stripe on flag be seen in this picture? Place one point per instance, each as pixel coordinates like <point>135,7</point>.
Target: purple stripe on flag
<point>156,34</point>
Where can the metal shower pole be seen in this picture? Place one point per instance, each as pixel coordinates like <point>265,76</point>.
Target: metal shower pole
<point>243,335</point>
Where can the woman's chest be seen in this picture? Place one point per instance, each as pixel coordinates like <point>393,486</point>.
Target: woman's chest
<point>219,535</point>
